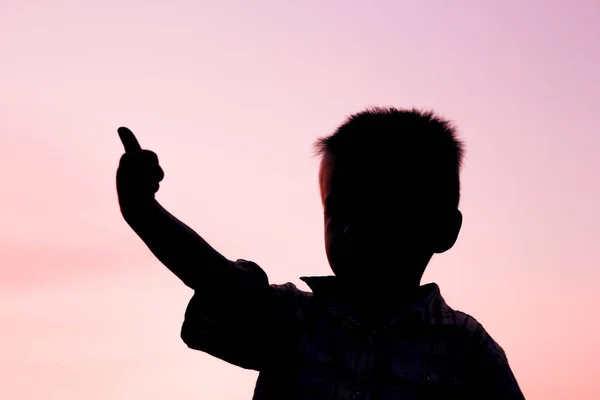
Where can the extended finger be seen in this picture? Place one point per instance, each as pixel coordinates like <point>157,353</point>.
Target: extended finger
<point>130,142</point>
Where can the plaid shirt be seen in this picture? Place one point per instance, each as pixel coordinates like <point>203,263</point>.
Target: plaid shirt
<point>309,346</point>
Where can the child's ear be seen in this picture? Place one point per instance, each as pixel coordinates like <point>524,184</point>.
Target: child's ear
<point>447,231</point>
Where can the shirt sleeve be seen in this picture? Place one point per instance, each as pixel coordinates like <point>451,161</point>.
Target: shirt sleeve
<point>493,377</point>
<point>248,322</point>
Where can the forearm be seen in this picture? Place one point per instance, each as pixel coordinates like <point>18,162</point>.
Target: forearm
<point>175,244</point>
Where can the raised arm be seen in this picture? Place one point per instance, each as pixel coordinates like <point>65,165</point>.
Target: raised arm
<point>175,244</point>
<point>234,314</point>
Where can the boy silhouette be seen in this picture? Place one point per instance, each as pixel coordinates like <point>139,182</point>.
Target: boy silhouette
<point>390,188</point>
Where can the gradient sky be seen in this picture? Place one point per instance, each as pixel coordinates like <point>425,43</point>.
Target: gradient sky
<point>231,95</point>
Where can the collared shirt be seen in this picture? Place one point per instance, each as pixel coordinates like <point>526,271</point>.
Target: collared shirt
<point>311,346</point>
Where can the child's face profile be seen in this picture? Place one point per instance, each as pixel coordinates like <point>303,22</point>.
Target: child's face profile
<point>370,232</point>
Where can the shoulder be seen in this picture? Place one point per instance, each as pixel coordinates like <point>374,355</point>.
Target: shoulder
<point>487,366</point>
<point>289,290</point>
<point>468,328</point>
<point>295,301</point>
<point>486,361</point>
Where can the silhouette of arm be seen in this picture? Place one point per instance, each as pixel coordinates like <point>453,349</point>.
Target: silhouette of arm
<point>179,247</point>
<point>234,314</point>
<point>251,326</point>
<point>175,244</point>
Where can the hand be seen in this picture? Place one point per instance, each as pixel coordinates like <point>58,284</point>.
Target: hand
<point>139,173</point>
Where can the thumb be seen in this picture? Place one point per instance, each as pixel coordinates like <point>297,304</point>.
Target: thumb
<point>130,143</point>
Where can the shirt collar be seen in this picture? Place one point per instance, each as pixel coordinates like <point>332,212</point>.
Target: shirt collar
<point>429,307</point>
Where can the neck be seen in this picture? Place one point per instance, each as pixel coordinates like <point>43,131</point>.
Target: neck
<point>380,301</point>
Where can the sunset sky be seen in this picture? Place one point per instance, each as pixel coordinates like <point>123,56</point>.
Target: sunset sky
<point>231,96</point>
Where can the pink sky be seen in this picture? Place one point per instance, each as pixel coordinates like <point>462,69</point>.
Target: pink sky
<point>231,95</point>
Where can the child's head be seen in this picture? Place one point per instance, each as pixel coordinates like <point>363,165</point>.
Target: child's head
<point>390,188</point>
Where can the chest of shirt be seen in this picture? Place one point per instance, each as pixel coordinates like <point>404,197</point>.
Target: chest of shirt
<point>408,361</point>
